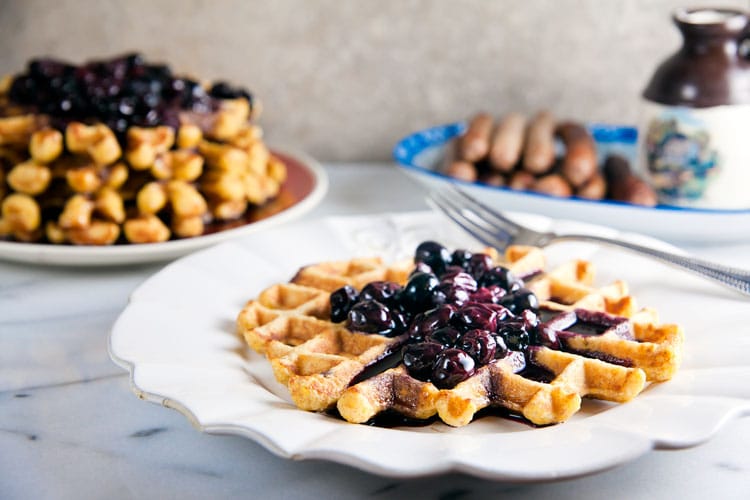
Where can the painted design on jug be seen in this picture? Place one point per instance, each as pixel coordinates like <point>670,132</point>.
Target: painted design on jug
<point>681,159</point>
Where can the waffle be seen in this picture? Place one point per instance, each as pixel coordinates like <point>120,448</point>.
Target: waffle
<point>315,358</point>
<point>89,171</point>
<point>324,365</point>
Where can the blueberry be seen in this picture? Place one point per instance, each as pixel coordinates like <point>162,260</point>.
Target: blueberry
<point>119,125</point>
<point>419,359</point>
<point>520,300</point>
<point>530,319</point>
<point>501,311</point>
<point>382,291</point>
<point>223,90</point>
<point>461,258</point>
<point>175,88</point>
<point>85,74</point>
<point>451,367</point>
<point>421,267</point>
<point>455,276</point>
<point>23,90</point>
<point>417,294</point>
<point>400,320</point>
<point>445,293</point>
<point>488,294</point>
<point>546,336</point>
<point>514,333</point>
<point>151,119</point>
<point>429,321</point>
<point>117,68</point>
<point>501,350</point>
<point>502,277</point>
<point>45,68</point>
<point>151,99</point>
<point>433,254</point>
<point>480,345</point>
<point>190,92</point>
<point>133,60</point>
<point>370,317</point>
<point>475,315</point>
<point>158,71</point>
<point>126,106</point>
<point>478,264</point>
<point>342,301</point>
<point>171,118</point>
<point>446,335</point>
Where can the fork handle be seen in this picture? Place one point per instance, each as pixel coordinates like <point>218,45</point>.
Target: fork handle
<point>736,279</point>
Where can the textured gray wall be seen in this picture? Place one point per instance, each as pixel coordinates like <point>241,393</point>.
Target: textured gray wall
<point>343,80</point>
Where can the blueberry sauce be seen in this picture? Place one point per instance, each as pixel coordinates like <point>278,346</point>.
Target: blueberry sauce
<point>119,92</point>
<point>459,312</point>
<point>389,419</point>
<point>390,358</point>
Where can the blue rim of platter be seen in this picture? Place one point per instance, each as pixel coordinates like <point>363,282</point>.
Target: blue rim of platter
<point>625,138</point>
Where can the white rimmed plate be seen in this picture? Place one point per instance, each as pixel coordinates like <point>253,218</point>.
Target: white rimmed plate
<point>177,338</point>
<point>304,188</point>
<point>421,155</point>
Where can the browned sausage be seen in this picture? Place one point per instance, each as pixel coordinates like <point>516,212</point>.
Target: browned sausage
<point>539,150</point>
<point>507,142</point>
<point>594,188</point>
<point>475,143</point>
<point>492,178</point>
<point>624,185</point>
<point>462,170</point>
<point>579,163</point>
<point>553,184</point>
<point>521,180</point>
<point>455,167</point>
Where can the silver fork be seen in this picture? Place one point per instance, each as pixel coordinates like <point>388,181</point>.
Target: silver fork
<point>494,229</point>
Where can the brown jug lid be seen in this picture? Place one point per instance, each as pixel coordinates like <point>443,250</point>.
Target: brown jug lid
<point>710,68</point>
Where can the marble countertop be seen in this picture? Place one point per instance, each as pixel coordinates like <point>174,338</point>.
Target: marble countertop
<point>70,427</point>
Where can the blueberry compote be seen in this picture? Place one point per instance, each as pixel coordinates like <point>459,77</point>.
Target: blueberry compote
<point>457,312</point>
<point>119,92</point>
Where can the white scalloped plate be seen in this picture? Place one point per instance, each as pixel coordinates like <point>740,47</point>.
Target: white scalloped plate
<point>177,339</point>
<point>304,188</point>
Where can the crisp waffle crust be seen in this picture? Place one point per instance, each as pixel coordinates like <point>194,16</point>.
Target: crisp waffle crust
<point>321,362</point>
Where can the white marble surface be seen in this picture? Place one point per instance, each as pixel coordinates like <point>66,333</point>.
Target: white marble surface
<point>71,428</point>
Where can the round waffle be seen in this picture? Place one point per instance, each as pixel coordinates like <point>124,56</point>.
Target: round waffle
<point>607,348</point>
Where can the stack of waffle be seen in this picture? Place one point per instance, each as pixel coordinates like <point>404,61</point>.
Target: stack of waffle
<point>70,178</point>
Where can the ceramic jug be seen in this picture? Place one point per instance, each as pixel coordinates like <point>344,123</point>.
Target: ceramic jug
<point>695,134</point>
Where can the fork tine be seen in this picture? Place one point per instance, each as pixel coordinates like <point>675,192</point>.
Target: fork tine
<point>491,215</point>
<point>456,213</point>
<point>479,213</point>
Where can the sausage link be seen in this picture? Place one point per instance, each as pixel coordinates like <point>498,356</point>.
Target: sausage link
<point>579,163</point>
<point>521,180</point>
<point>507,142</point>
<point>492,178</point>
<point>455,167</point>
<point>594,188</point>
<point>475,143</point>
<point>539,150</point>
<point>554,185</point>
<point>624,185</point>
<point>462,170</point>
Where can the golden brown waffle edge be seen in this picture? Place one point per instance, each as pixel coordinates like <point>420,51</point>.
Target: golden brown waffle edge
<point>317,360</point>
